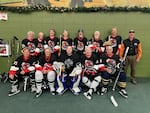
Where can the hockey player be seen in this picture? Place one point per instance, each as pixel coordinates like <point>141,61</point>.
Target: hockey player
<point>91,77</point>
<point>65,42</point>
<point>96,44</point>
<point>80,42</point>
<point>111,62</point>
<point>39,43</point>
<point>52,41</point>
<point>114,40</point>
<point>22,66</point>
<point>70,77</point>
<point>44,70</point>
<point>29,43</point>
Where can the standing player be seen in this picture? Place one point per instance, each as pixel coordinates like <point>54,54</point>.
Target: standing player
<point>22,66</point>
<point>91,77</point>
<point>114,40</point>
<point>70,77</point>
<point>111,61</point>
<point>134,54</point>
<point>65,42</point>
<point>29,43</point>
<point>80,42</point>
<point>44,70</point>
<point>52,41</point>
<point>96,44</point>
<point>39,43</point>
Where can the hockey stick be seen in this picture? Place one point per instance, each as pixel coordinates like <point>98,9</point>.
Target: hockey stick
<point>114,102</point>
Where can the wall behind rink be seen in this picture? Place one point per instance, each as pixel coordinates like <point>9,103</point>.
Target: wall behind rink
<point>19,24</point>
<point>78,3</point>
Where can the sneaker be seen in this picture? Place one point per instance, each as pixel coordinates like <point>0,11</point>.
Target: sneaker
<point>133,81</point>
<point>38,94</point>
<point>103,90</point>
<point>13,91</point>
<point>123,93</point>
<point>87,95</point>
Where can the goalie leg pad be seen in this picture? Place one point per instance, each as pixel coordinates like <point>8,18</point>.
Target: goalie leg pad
<point>61,84</point>
<point>75,85</point>
<point>51,80</point>
<point>86,81</point>
<point>38,80</point>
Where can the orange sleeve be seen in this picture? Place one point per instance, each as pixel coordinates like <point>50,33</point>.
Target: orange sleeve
<point>139,51</point>
<point>121,50</point>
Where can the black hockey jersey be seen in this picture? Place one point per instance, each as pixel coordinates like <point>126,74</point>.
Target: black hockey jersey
<point>69,61</point>
<point>39,44</point>
<point>80,44</point>
<point>115,42</point>
<point>28,43</point>
<point>65,44</point>
<point>52,43</point>
<point>21,64</point>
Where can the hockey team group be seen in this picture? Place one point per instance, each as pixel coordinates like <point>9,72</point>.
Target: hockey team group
<point>61,64</point>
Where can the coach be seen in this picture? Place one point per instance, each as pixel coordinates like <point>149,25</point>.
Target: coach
<point>134,54</point>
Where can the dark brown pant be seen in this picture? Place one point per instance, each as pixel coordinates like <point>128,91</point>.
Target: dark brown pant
<point>131,60</point>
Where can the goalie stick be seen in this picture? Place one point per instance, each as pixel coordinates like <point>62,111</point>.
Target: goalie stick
<point>114,102</point>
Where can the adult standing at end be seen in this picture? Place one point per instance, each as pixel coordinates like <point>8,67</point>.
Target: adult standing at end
<point>134,54</point>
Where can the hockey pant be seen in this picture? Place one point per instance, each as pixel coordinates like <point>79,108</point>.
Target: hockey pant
<point>106,78</point>
<point>92,83</point>
<point>39,78</point>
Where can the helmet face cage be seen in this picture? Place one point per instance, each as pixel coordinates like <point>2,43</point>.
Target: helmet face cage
<point>111,64</point>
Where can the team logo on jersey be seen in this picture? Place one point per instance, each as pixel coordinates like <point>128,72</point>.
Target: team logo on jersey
<point>31,46</point>
<point>88,63</point>
<point>51,44</point>
<point>135,44</point>
<point>40,46</point>
<point>68,63</point>
<point>96,44</point>
<point>80,46</point>
<point>113,42</point>
<point>64,45</point>
<point>25,65</point>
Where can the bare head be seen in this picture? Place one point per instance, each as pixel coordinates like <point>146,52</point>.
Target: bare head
<point>65,34</point>
<point>40,36</point>
<point>80,33</point>
<point>96,35</point>
<point>88,52</point>
<point>47,52</point>
<point>69,50</point>
<point>30,35</point>
<point>26,53</point>
<point>109,50</point>
<point>114,31</point>
<point>52,33</point>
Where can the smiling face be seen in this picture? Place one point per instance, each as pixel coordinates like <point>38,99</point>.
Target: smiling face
<point>30,35</point>
<point>69,50</point>
<point>47,52</point>
<point>26,53</point>
<point>88,52</point>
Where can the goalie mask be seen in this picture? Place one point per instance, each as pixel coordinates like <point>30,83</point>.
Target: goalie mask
<point>111,64</point>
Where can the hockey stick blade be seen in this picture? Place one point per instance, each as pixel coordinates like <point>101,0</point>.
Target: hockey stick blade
<point>114,102</point>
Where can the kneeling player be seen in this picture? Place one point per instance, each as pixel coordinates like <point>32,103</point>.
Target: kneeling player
<point>91,77</point>
<point>111,60</point>
<point>70,76</point>
<point>44,70</point>
<point>22,66</point>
